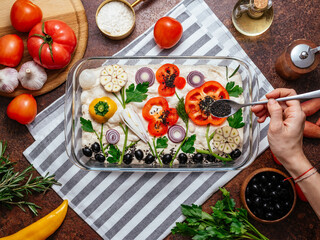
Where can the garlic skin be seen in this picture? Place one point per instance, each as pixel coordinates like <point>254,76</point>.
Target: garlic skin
<point>32,76</point>
<point>8,80</point>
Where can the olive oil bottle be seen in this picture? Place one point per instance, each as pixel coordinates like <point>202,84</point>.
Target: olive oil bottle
<point>252,17</point>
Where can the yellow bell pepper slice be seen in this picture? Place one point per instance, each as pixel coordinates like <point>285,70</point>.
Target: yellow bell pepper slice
<point>44,227</point>
<point>102,109</point>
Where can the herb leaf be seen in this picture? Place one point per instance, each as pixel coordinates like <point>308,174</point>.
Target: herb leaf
<point>236,120</point>
<point>226,222</point>
<point>182,111</point>
<point>234,72</point>
<point>162,142</point>
<point>114,153</point>
<point>86,125</point>
<point>187,146</point>
<point>137,94</point>
<point>234,90</point>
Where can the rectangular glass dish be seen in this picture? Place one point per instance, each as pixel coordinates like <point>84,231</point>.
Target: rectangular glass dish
<point>73,112</point>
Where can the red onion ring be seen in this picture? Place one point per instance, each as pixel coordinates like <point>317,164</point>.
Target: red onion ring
<point>176,129</point>
<point>190,79</point>
<point>151,76</point>
<point>112,136</point>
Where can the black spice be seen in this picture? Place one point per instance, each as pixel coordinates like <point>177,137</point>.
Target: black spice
<point>205,105</point>
<point>220,109</point>
<point>168,79</point>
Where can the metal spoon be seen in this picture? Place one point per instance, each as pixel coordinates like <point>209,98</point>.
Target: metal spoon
<point>234,106</point>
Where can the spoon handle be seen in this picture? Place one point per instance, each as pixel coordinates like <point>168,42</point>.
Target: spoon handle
<point>309,95</point>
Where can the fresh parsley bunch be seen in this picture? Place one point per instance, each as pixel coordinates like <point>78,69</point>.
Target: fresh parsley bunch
<point>226,222</point>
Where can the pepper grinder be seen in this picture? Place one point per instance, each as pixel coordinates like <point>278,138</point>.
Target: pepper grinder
<point>299,58</point>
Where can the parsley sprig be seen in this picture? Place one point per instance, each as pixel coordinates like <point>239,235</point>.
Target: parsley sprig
<point>236,120</point>
<point>225,222</point>
<point>234,90</point>
<point>14,186</point>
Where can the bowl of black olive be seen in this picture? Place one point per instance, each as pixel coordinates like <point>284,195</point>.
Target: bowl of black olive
<point>268,195</point>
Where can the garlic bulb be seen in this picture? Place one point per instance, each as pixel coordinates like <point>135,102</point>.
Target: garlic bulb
<point>32,76</point>
<point>8,80</point>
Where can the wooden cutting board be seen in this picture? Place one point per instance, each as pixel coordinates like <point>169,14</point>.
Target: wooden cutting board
<point>69,11</point>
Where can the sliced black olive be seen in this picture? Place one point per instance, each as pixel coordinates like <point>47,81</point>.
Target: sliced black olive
<point>197,158</point>
<point>100,157</point>
<point>87,151</point>
<point>166,159</point>
<point>235,154</point>
<point>149,159</point>
<point>127,158</point>
<point>182,158</point>
<point>95,147</point>
<point>138,154</point>
<point>210,158</point>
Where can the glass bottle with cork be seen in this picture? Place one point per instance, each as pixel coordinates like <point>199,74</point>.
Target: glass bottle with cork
<point>252,17</point>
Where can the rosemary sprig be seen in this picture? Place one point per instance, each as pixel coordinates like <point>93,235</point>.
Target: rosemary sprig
<point>14,187</point>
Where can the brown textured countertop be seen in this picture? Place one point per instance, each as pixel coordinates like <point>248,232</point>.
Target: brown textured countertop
<point>293,20</point>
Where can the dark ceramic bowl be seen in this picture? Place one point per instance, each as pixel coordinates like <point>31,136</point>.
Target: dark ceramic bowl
<point>266,196</point>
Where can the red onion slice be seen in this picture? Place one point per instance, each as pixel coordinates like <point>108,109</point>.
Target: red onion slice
<point>112,136</point>
<point>145,74</point>
<point>176,133</point>
<point>195,79</point>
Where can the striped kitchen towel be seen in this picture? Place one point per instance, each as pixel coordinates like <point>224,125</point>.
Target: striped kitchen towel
<point>139,205</point>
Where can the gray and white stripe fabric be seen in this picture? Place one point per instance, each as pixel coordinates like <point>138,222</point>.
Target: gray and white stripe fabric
<point>137,205</point>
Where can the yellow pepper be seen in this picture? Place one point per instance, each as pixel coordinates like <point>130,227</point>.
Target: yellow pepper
<point>44,227</point>
<point>102,109</point>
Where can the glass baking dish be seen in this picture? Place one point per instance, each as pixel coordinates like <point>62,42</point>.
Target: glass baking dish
<point>73,132</point>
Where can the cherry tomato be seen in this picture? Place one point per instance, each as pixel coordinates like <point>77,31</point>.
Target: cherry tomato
<point>167,32</point>
<point>11,50</point>
<point>300,193</point>
<point>55,45</point>
<point>25,15</point>
<point>275,159</point>
<point>168,77</point>
<point>22,108</point>
<point>197,103</point>
<point>160,119</point>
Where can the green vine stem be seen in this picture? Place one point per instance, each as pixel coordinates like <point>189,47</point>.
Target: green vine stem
<point>125,131</point>
<point>156,152</point>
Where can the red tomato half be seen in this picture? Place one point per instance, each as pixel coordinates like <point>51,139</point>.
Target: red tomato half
<point>11,50</point>
<point>22,108</point>
<point>51,44</point>
<point>195,105</point>
<point>160,119</point>
<point>25,15</point>
<point>167,32</point>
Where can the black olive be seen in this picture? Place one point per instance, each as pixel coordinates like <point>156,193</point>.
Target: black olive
<point>269,185</point>
<point>277,206</point>
<point>166,159</point>
<point>249,202</point>
<point>95,147</point>
<point>265,206</point>
<point>257,201</point>
<point>254,180</point>
<point>149,159</point>
<point>273,178</point>
<point>127,158</point>
<point>254,188</point>
<point>138,154</point>
<point>263,178</point>
<point>235,154</point>
<point>100,157</point>
<point>182,158</point>
<point>210,158</point>
<point>264,192</point>
<point>269,216</point>
<point>197,158</point>
<point>87,151</point>
<point>274,194</point>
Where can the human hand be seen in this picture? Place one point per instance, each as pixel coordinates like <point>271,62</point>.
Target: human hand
<point>286,125</point>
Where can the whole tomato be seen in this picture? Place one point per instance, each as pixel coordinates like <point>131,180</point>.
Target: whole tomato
<point>24,15</point>
<point>11,50</point>
<point>51,44</point>
<point>167,32</point>
<point>22,108</point>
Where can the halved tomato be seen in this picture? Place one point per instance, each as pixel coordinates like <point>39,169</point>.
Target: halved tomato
<point>199,100</point>
<point>160,117</point>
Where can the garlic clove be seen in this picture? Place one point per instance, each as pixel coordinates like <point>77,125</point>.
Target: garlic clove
<point>8,80</point>
<point>32,76</point>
